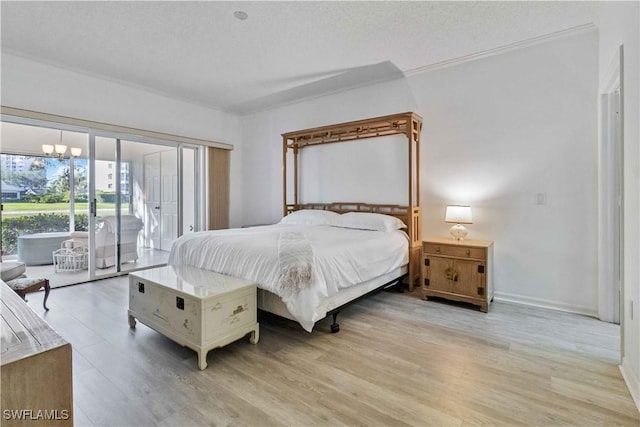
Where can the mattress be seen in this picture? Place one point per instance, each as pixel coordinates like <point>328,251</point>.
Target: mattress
<point>339,258</point>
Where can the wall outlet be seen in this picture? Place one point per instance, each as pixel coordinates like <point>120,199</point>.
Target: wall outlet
<point>541,199</point>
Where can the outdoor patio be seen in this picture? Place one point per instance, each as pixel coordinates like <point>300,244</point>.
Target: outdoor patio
<point>147,257</point>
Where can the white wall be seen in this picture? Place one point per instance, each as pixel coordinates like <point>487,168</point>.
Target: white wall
<point>496,132</point>
<point>618,24</point>
<point>37,86</point>
<point>262,141</point>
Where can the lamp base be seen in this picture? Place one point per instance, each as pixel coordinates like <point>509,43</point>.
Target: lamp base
<point>458,231</point>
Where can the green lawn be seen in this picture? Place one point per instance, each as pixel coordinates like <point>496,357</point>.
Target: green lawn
<point>24,208</point>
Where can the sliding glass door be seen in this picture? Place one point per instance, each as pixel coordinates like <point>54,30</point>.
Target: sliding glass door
<point>136,198</point>
<point>103,206</point>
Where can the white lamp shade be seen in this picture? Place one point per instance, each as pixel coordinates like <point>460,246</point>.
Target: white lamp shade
<point>76,151</point>
<point>47,149</point>
<point>458,214</point>
<point>61,149</point>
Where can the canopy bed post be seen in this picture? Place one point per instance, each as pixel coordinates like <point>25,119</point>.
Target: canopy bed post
<point>413,143</point>
<point>295,175</point>
<point>284,175</point>
<point>408,124</point>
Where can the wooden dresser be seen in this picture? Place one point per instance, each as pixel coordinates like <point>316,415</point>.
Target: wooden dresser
<point>458,270</point>
<point>37,386</point>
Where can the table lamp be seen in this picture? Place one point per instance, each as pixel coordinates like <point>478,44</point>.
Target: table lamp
<point>458,215</point>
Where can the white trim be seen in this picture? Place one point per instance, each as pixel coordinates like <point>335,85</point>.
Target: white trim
<point>609,182</point>
<point>631,380</point>
<point>502,49</point>
<point>548,304</point>
<point>121,131</point>
<point>611,78</point>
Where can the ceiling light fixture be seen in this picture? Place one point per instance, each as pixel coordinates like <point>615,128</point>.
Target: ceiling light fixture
<point>238,14</point>
<point>60,149</point>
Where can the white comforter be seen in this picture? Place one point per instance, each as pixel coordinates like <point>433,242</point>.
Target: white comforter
<point>342,257</point>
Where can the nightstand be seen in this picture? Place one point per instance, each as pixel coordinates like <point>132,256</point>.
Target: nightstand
<point>458,270</point>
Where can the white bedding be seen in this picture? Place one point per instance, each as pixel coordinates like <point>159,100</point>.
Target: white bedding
<point>342,257</point>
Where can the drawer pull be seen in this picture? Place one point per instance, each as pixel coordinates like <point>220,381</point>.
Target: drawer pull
<point>438,250</point>
<point>239,309</point>
<point>468,252</point>
<point>449,273</point>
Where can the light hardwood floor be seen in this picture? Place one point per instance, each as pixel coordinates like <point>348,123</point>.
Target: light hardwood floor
<point>397,361</point>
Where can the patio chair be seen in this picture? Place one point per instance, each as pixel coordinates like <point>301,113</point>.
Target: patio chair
<point>106,240</point>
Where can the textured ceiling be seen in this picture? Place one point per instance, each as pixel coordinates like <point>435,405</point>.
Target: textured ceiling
<point>199,52</point>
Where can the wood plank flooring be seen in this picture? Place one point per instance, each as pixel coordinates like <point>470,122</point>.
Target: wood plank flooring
<point>397,361</point>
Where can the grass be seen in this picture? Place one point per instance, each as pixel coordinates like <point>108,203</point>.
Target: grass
<point>26,208</point>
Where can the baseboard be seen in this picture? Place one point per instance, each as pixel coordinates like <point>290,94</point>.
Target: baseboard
<point>632,381</point>
<point>543,303</point>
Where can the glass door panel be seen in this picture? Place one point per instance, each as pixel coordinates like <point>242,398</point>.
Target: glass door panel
<point>141,187</point>
<point>105,232</point>
<point>42,171</point>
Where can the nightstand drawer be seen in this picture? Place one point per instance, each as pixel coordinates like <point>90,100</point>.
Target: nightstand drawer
<point>454,251</point>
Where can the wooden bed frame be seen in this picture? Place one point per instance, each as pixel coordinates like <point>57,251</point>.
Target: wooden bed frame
<point>408,124</point>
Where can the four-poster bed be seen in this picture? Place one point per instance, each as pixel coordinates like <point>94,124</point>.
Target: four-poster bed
<point>408,124</point>
<point>321,256</point>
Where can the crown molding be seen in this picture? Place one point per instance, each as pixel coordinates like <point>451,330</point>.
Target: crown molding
<point>585,28</point>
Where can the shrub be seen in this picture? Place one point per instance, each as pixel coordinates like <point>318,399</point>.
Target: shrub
<point>38,223</point>
<point>106,197</point>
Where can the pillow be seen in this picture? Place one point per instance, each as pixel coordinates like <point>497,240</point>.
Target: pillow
<point>309,217</point>
<point>368,221</point>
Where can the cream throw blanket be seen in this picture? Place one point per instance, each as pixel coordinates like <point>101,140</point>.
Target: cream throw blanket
<point>296,262</point>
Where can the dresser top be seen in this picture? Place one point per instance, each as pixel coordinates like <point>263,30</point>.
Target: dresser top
<point>465,242</point>
<point>23,333</point>
<point>192,281</point>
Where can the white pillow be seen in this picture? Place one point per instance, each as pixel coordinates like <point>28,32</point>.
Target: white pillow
<point>368,221</point>
<point>309,217</point>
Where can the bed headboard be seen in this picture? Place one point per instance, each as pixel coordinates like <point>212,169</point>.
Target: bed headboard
<point>403,213</point>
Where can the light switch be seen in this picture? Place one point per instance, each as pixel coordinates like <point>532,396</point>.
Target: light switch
<point>541,198</point>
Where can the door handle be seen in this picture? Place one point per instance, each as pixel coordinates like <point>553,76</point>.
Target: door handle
<point>191,228</point>
<point>157,208</point>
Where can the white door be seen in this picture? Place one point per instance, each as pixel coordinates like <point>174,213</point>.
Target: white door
<point>169,198</point>
<point>152,200</point>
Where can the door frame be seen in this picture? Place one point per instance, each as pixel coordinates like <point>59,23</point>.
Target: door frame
<point>610,194</point>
